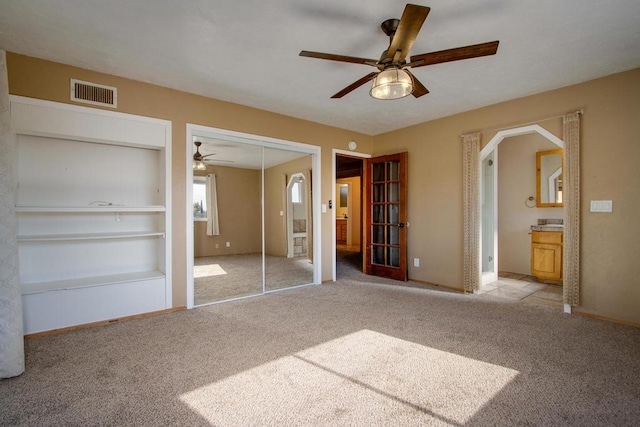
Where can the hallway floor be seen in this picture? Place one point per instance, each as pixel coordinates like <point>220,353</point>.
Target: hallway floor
<point>509,286</point>
<point>527,289</point>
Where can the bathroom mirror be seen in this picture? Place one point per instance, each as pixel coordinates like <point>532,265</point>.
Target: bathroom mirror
<point>549,178</point>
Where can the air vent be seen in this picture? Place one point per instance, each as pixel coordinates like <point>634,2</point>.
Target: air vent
<point>93,93</point>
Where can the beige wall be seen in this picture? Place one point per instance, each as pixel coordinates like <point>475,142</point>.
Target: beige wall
<point>517,182</point>
<point>41,79</point>
<point>239,212</point>
<point>610,153</point>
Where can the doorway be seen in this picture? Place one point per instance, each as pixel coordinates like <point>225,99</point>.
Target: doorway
<point>248,253</point>
<point>383,182</point>
<point>347,214</point>
<point>507,190</point>
<point>299,216</point>
<point>489,192</point>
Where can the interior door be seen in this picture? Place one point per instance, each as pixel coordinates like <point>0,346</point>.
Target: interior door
<point>386,216</point>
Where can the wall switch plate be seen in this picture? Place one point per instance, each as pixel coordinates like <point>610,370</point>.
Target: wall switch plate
<point>228,244</point>
<point>416,262</point>
<point>324,208</point>
<point>601,206</point>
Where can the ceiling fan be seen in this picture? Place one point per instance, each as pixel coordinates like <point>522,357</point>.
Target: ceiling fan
<point>392,81</point>
<point>199,159</point>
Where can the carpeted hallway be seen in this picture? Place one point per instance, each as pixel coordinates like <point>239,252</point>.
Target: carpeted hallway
<point>349,353</point>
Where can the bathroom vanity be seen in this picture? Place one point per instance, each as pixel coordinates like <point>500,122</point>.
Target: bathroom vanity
<point>341,231</point>
<point>546,250</point>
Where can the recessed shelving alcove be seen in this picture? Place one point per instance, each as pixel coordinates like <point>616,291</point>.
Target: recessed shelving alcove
<point>92,190</point>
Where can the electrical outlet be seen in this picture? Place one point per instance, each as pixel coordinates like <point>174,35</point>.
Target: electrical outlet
<point>228,244</point>
<point>416,262</point>
<point>217,246</point>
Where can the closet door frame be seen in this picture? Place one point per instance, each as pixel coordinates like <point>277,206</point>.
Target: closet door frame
<point>265,142</point>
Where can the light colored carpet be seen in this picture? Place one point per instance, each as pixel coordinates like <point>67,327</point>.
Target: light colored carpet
<point>233,276</point>
<point>354,353</point>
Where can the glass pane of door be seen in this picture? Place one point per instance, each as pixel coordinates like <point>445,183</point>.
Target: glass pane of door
<point>288,219</point>
<point>385,205</point>
<point>228,265</point>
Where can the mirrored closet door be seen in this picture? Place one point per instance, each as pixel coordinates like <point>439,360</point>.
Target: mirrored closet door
<point>252,218</point>
<point>227,211</point>
<point>288,219</point>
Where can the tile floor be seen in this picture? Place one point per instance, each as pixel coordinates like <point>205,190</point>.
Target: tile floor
<point>527,289</point>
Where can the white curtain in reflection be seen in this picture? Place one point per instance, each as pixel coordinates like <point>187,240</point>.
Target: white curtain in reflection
<point>213,227</point>
<point>309,198</point>
<point>11,332</point>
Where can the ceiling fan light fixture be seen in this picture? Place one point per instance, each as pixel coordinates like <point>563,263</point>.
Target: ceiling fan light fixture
<point>392,83</point>
<point>198,163</point>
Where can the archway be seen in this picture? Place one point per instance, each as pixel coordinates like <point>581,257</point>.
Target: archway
<point>472,164</point>
<point>489,193</point>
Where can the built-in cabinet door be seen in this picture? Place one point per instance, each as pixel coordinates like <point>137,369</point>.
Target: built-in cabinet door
<point>546,261</point>
<point>546,255</point>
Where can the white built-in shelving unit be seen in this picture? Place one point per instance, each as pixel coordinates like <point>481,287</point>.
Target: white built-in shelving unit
<point>92,192</point>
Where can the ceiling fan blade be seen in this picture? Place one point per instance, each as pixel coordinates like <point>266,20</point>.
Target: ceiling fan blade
<point>214,161</point>
<point>355,85</point>
<point>339,58</point>
<point>412,19</point>
<point>456,54</point>
<point>418,88</point>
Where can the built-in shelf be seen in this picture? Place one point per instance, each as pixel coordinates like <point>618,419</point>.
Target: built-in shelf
<point>88,209</point>
<point>89,236</point>
<point>88,282</point>
<point>94,230</point>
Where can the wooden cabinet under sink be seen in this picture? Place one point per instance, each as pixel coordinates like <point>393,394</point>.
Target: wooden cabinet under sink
<point>341,231</point>
<point>546,256</point>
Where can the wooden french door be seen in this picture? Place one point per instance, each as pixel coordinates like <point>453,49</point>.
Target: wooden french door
<point>386,216</point>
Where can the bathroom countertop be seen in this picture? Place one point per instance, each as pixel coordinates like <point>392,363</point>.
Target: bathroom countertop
<point>548,227</point>
<point>553,224</point>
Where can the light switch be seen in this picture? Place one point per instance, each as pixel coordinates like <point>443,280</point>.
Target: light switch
<point>601,206</point>
<point>324,208</point>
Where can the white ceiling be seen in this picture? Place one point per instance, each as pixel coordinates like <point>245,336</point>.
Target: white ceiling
<point>226,152</point>
<point>246,51</point>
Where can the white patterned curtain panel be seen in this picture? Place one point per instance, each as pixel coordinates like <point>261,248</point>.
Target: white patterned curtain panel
<point>571,255</point>
<point>471,206</point>
<point>11,332</point>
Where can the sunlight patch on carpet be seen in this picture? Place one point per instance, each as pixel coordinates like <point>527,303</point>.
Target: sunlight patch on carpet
<point>208,270</point>
<point>361,378</point>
